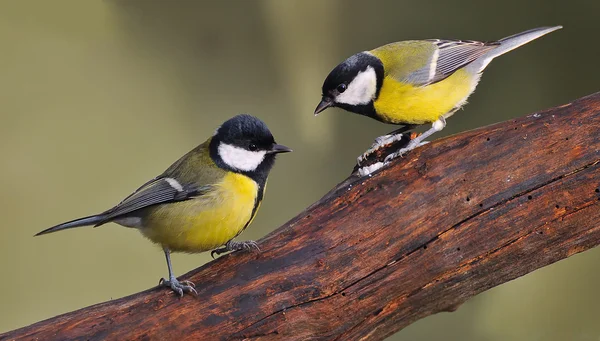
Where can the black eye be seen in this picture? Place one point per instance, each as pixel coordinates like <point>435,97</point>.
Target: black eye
<point>252,147</point>
<point>341,88</point>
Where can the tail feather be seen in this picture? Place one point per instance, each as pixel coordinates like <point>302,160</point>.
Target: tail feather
<point>86,221</point>
<point>508,44</point>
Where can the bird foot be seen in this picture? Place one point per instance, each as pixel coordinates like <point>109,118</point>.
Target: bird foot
<point>236,246</point>
<point>379,142</point>
<point>179,287</point>
<point>368,170</point>
<point>399,153</point>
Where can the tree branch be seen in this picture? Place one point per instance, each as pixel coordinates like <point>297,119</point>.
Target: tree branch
<point>446,222</point>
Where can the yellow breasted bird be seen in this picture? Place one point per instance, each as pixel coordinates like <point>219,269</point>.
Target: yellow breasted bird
<point>414,82</point>
<point>203,200</point>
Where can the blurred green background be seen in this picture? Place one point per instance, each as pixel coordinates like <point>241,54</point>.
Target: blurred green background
<point>97,97</point>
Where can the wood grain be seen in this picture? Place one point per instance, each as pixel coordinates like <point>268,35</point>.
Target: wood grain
<point>446,222</point>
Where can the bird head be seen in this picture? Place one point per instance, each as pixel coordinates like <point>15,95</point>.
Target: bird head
<point>353,85</point>
<point>244,144</point>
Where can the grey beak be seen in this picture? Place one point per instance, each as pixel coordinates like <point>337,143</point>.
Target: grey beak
<point>325,103</point>
<point>279,148</point>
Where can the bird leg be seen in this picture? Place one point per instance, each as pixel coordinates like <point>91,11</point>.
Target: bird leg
<point>379,142</point>
<point>384,140</point>
<point>236,246</point>
<point>437,126</point>
<point>175,285</point>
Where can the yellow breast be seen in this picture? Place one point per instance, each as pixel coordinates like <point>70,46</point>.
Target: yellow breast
<point>206,222</point>
<point>405,103</point>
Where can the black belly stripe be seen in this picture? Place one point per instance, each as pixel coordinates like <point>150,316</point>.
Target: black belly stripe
<point>257,201</point>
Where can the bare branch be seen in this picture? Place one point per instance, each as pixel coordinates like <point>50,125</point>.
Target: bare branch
<point>448,221</point>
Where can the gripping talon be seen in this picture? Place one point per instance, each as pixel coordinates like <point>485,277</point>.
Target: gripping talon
<point>179,287</point>
<point>379,142</point>
<point>218,252</point>
<point>188,283</point>
<point>236,246</point>
<point>249,245</point>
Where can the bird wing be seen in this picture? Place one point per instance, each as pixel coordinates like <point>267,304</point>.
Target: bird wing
<point>425,62</point>
<point>159,190</point>
<point>455,54</point>
<point>181,181</point>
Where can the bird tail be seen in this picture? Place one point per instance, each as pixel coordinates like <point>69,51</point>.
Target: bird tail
<point>86,221</point>
<point>508,44</point>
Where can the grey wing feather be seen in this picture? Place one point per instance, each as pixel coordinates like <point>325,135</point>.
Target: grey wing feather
<point>155,191</point>
<point>450,56</point>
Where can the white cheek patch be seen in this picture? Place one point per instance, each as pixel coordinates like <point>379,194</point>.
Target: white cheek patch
<point>239,158</point>
<point>361,90</point>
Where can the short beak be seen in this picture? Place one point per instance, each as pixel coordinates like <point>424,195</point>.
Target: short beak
<point>325,103</point>
<point>279,148</point>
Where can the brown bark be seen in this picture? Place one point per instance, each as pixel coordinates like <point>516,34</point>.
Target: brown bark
<point>446,222</point>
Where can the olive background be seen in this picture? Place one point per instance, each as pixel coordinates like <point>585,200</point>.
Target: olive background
<point>96,97</point>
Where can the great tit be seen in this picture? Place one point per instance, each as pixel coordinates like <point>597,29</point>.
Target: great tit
<point>414,82</point>
<point>204,199</point>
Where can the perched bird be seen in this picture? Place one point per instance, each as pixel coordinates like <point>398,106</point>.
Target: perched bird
<point>414,82</point>
<point>203,200</point>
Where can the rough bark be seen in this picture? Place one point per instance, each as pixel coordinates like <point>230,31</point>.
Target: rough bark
<point>446,222</point>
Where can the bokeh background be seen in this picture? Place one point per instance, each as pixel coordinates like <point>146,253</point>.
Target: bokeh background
<point>97,96</point>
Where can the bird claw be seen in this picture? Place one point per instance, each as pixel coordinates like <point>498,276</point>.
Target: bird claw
<point>179,287</point>
<point>188,283</point>
<point>217,252</point>
<point>368,170</point>
<point>249,245</point>
<point>236,246</point>
<point>379,142</point>
<point>399,153</point>
<point>365,155</point>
